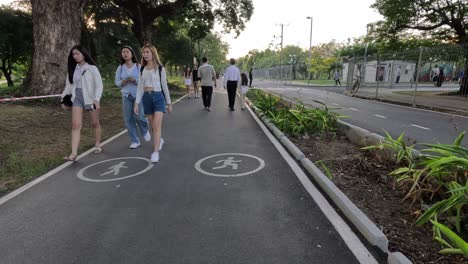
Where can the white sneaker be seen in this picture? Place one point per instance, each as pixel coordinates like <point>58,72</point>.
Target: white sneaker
<point>134,145</point>
<point>147,136</point>
<point>155,157</point>
<point>161,143</point>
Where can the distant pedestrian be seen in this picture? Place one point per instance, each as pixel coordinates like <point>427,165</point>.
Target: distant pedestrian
<point>244,89</point>
<point>398,75</point>
<point>337,78</point>
<point>207,75</point>
<point>435,75</point>
<point>126,77</point>
<point>250,77</point>
<point>84,85</point>
<point>441,77</point>
<point>195,81</point>
<point>232,80</point>
<point>188,80</point>
<point>153,92</point>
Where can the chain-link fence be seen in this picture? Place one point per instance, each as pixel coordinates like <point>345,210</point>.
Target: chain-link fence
<point>440,68</point>
<point>285,72</point>
<point>431,76</point>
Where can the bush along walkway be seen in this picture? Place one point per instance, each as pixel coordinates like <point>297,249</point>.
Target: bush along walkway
<point>389,182</point>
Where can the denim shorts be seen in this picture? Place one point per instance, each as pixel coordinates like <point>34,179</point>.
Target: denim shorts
<point>153,102</point>
<point>79,100</point>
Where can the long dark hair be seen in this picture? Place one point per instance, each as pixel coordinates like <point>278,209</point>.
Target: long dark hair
<point>188,71</point>
<point>244,79</point>
<point>134,55</point>
<point>72,63</point>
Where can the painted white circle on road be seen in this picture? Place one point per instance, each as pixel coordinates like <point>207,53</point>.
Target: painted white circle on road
<point>82,176</point>
<point>230,161</point>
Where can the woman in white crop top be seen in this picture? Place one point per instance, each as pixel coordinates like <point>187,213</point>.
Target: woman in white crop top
<point>153,93</point>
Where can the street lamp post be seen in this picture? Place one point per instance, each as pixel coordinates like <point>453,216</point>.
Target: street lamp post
<point>310,47</point>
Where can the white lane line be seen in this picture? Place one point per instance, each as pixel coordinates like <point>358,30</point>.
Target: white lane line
<point>358,249</point>
<point>380,116</point>
<point>335,104</point>
<point>354,109</point>
<point>39,179</point>
<point>421,127</point>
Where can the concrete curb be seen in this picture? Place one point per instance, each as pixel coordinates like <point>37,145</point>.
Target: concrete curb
<point>297,153</point>
<point>398,258</point>
<point>368,229</point>
<point>363,137</point>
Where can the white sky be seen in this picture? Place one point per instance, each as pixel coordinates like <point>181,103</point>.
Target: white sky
<point>333,19</point>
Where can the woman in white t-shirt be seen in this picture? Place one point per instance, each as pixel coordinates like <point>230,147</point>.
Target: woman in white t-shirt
<point>188,80</point>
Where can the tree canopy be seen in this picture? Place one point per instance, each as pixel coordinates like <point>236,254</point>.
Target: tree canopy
<point>445,20</point>
<point>199,15</point>
<point>15,45</point>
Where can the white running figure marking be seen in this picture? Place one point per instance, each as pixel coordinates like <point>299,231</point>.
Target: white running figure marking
<point>228,162</point>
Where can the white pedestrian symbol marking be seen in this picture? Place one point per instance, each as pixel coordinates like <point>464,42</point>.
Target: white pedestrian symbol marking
<point>115,169</point>
<point>228,162</point>
<point>250,164</point>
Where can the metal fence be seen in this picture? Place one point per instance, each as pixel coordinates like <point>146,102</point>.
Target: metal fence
<point>430,76</point>
<point>285,72</point>
<point>441,66</point>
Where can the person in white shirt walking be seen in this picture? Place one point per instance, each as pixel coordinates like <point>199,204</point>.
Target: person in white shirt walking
<point>207,75</point>
<point>84,85</point>
<point>153,92</point>
<point>232,80</point>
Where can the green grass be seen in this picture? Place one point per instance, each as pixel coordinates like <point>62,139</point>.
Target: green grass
<point>26,170</point>
<point>7,91</point>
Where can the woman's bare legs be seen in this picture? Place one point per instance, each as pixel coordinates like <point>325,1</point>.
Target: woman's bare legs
<point>97,128</point>
<point>195,89</point>
<point>156,122</point>
<point>77,123</point>
<point>188,90</point>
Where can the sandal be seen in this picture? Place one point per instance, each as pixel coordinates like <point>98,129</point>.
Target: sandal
<point>70,157</point>
<point>97,149</point>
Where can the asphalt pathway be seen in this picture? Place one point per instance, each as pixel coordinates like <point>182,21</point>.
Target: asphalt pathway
<point>197,205</point>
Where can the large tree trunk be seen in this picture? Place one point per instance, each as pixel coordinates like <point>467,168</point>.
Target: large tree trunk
<point>57,28</point>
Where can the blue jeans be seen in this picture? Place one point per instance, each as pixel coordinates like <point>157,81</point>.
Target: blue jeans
<point>131,119</point>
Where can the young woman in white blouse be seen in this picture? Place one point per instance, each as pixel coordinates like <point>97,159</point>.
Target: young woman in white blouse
<point>84,83</point>
<point>153,93</point>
